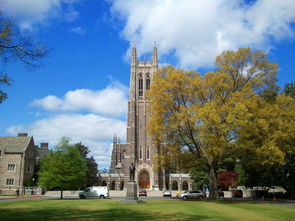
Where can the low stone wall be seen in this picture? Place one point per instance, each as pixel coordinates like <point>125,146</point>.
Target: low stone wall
<point>122,193</point>
<point>65,193</point>
<point>8,191</point>
<point>152,193</point>
<point>22,191</point>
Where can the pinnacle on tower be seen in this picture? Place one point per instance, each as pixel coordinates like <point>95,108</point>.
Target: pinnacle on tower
<point>115,138</point>
<point>134,55</point>
<point>155,55</point>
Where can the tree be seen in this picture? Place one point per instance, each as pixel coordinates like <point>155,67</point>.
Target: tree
<point>290,89</point>
<point>64,168</point>
<point>199,177</point>
<point>274,123</point>
<point>92,178</point>
<point>208,115</point>
<point>17,47</point>
<point>227,179</point>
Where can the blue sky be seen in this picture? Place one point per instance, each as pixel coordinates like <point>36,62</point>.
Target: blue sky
<point>82,89</point>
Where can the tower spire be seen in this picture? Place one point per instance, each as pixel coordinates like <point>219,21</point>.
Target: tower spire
<point>155,55</point>
<point>115,138</point>
<point>133,72</point>
<point>134,55</point>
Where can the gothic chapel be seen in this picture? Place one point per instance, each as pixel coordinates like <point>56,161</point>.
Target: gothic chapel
<point>139,148</point>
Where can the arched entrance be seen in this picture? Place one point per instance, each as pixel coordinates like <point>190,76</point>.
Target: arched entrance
<point>103,183</point>
<point>174,185</point>
<point>184,185</point>
<point>144,179</point>
<point>122,185</point>
<point>113,185</point>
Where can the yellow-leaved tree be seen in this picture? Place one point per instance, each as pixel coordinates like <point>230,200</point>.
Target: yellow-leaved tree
<point>211,116</point>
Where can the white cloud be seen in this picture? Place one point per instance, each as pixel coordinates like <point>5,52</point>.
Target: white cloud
<point>111,101</point>
<point>92,130</point>
<point>30,12</point>
<point>78,30</point>
<point>196,31</point>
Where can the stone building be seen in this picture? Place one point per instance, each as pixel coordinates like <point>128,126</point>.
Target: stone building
<point>139,148</point>
<point>18,158</point>
<point>42,151</point>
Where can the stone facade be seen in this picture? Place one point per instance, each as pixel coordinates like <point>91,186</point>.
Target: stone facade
<point>42,151</point>
<point>139,148</point>
<point>18,157</point>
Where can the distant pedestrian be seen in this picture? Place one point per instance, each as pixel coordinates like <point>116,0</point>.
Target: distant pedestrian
<point>207,192</point>
<point>17,192</point>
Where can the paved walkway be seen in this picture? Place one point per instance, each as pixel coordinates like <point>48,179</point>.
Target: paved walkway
<point>278,202</point>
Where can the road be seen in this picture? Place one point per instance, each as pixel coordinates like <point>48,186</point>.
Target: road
<point>280,202</point>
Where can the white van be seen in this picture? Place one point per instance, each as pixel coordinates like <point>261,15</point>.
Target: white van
<point>94,192</point>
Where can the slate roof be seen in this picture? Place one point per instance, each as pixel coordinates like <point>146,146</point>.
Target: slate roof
<point>14,144</point>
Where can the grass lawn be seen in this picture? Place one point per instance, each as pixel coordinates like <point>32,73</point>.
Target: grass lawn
<point>112,209</point>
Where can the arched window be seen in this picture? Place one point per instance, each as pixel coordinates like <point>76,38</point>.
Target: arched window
<point>147,81</point>
<point>113,185</point>
<point>174,185</point>
<point>184,185</point>
<point>140,152</point>
<point>140,86</point>
<point>122,185</point>
<point>104,183</point>
<point>148,153</point>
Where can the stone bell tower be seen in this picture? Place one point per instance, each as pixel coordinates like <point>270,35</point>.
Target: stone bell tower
<point>139,148</point>
<point>141,78</point>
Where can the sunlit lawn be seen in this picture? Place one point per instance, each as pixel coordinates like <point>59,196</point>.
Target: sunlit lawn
<point>112,209</point>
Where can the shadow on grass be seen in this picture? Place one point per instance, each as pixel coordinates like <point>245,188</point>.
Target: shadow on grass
<point>239,201</point>
<point>78,214</point>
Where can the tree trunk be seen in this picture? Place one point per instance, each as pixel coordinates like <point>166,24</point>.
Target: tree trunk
<point>213,185</point>
<point>61,194</point>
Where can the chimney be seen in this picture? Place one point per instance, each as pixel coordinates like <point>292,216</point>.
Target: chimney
<point>44,146</point>
<point>22,134</point>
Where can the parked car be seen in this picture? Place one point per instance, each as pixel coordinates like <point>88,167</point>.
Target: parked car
<point>167,193</point>
<point>94,192</point>
<point>142,192</point>
<point>221,194</point>
<point>237,193</point>
<point>193,194</point>
<point>277,189</point>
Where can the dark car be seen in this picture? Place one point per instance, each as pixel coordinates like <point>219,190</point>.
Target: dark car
<point>142,192</point>
<point>221,194</point>
<point>237,193</point>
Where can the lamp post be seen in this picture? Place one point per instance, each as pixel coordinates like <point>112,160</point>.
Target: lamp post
<point>32,192</point>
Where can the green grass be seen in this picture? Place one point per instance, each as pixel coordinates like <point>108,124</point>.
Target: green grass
<point>112,209</point>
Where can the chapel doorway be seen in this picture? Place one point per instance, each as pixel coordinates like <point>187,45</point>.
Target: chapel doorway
<point>144,179</point>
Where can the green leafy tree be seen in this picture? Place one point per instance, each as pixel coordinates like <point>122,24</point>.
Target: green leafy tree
<point>64,168</point>
<point>290,89</point>
<point>199,177</point>
<point>17,47</point>
<point>92,178</point>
